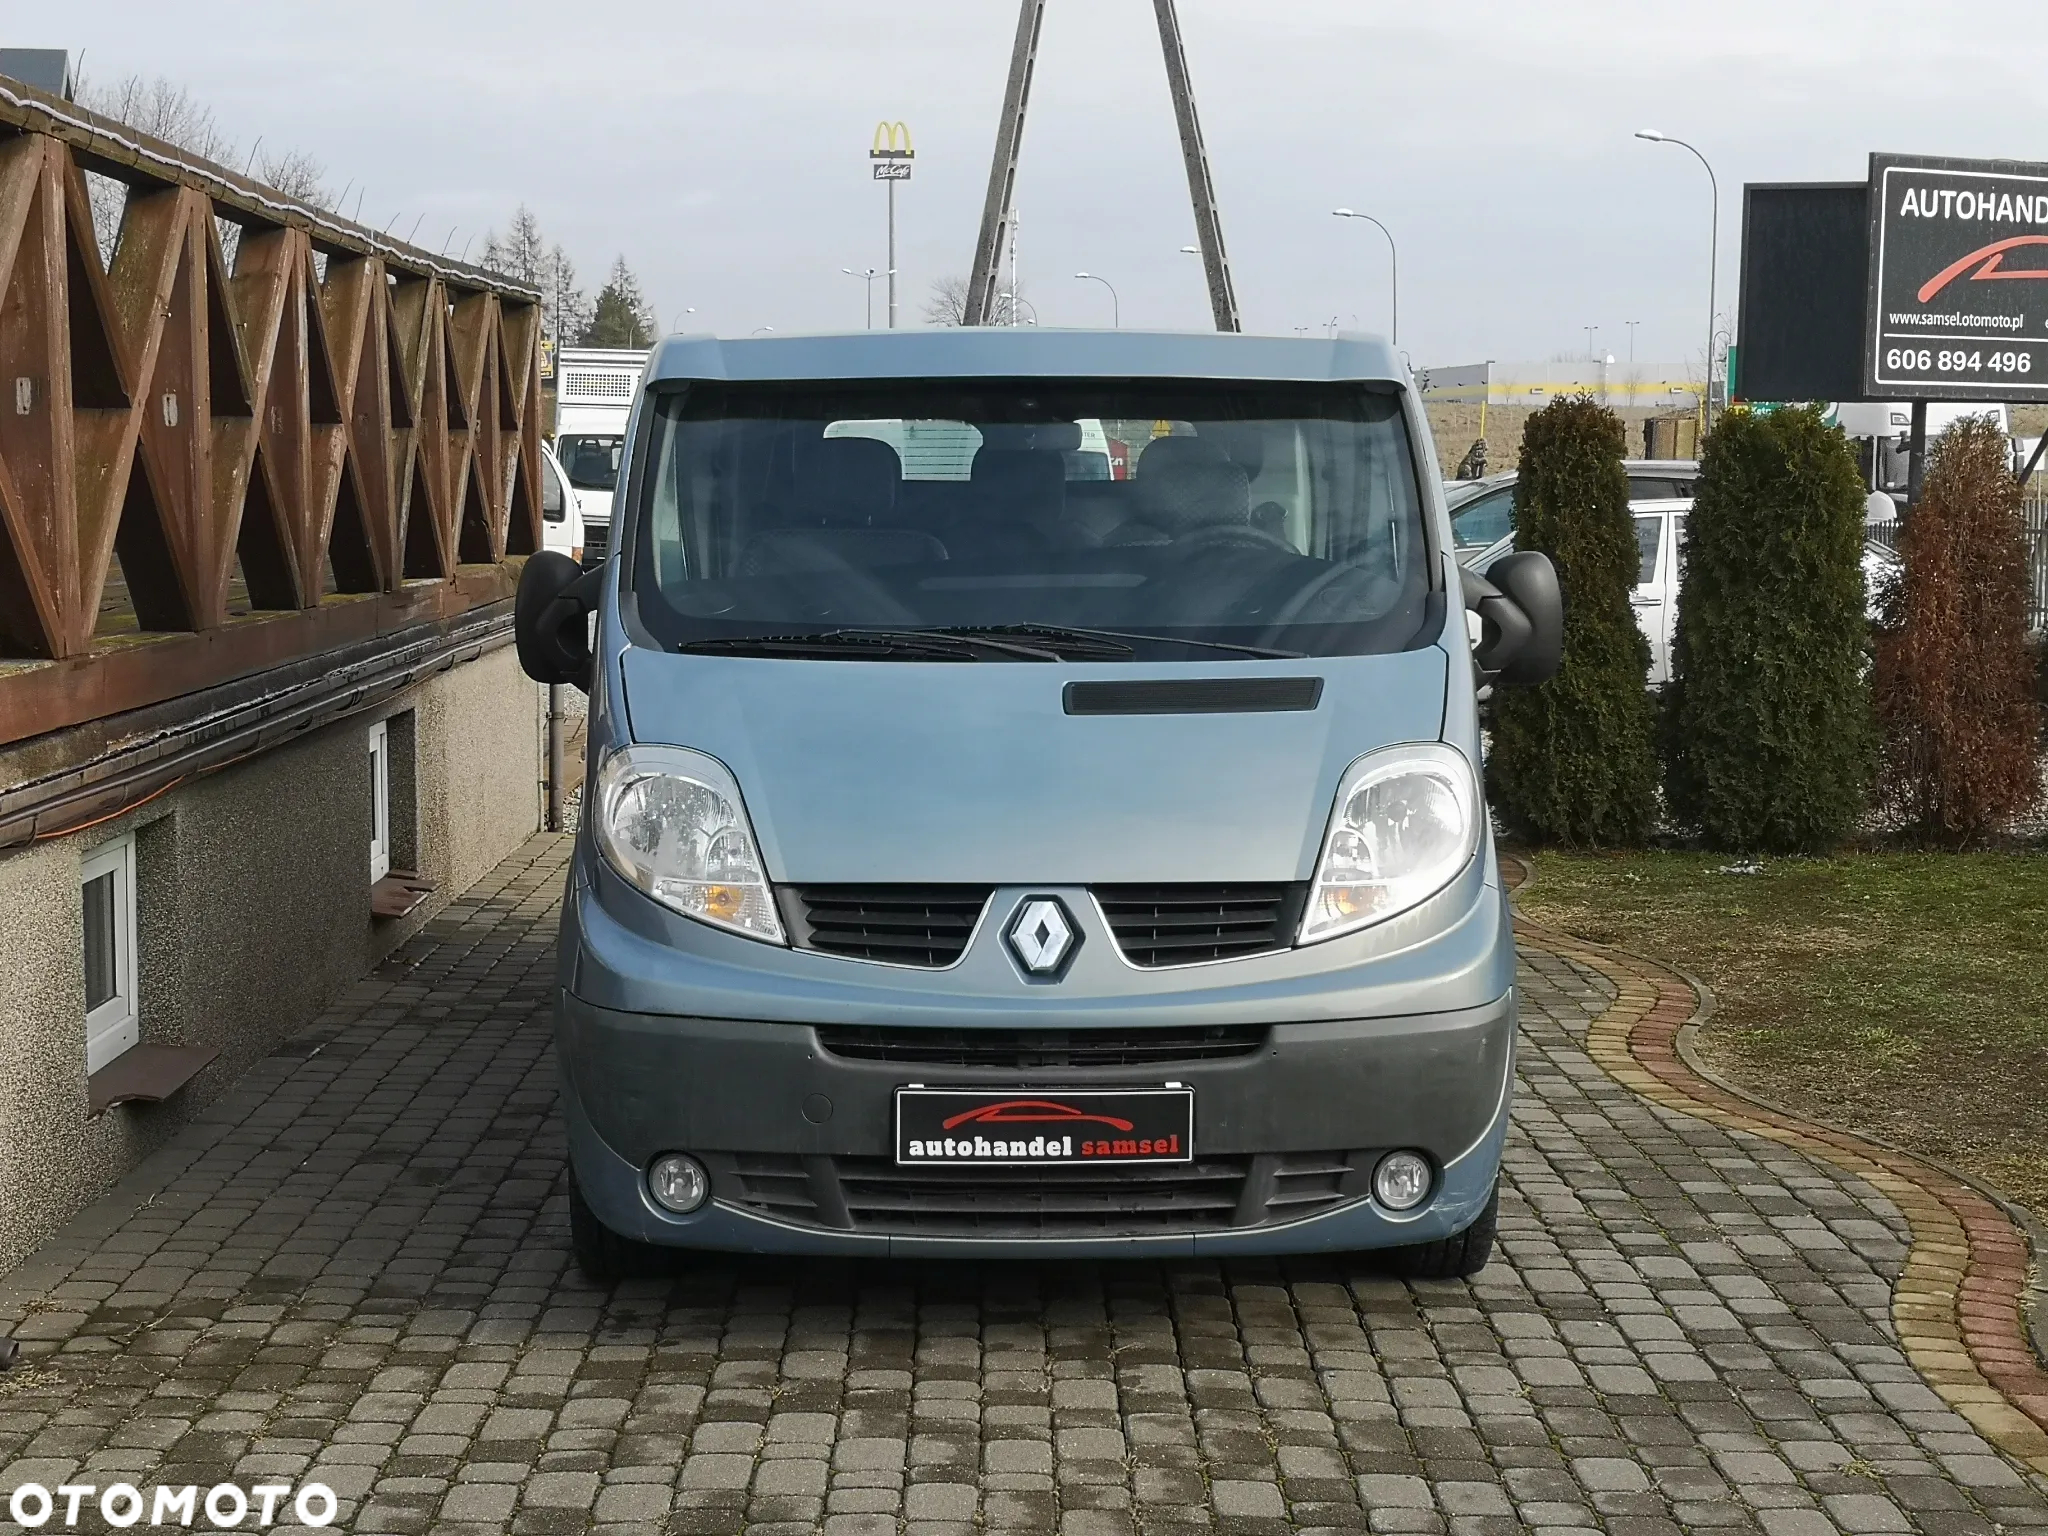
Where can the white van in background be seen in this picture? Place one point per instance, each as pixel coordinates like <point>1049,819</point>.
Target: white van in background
<point>594,390</point>
<point>561,516</point>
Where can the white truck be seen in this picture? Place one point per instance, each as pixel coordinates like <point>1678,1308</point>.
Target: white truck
<point>594,390</point>
<point>1882,430</point>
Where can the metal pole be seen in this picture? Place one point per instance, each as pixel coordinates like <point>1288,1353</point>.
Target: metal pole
<point>1116,308</point>
<point>1201,185</point>
<point>556,770</point>
<point>1916,467</point>
<point>1394,265</point>
<point>892,253</point>
<point>987,275</point>
<point>1713,270</point>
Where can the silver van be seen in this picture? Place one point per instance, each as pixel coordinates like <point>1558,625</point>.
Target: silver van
<point>985,857</point>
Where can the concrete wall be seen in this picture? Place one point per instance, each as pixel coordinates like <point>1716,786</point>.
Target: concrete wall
<point>252,899</point>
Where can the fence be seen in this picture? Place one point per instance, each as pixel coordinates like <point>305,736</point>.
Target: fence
<point>255,433</point>
<point>2034,522</point>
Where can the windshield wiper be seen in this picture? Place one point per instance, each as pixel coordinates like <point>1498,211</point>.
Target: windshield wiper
<point>1067,644</point>
<point>900,644</point>
<point>1117,636</point>
<point>990,642</point>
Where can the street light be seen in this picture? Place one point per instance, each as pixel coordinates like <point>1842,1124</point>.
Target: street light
<point>867,276</point>
<point>762,330</point>
<point>677,323</point>
<point>1713,267</point>
<point>1115,307</point>
<point>1393,257</point>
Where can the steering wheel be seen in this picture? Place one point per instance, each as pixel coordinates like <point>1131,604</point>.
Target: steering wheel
<point>1231,536</point>
<point>1317,589</point>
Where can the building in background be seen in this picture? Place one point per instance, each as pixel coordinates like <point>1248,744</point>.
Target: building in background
<point>1488,402</point>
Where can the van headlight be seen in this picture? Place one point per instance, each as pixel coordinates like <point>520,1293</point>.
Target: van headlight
<point>1407,821</point>
<point>671,822</point>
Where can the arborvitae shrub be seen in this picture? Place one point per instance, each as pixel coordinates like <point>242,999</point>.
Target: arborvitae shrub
<point>1572,760</point>
<point>1768,736</point>
<point>1956,691</point>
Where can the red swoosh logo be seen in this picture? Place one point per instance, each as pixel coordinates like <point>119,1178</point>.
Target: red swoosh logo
<point>1993,258</point>
<point>1031,1112</point>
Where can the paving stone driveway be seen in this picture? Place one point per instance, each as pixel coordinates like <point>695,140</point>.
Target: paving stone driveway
<point>356,1272</point>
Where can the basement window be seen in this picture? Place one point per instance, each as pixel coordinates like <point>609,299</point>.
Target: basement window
<point>380,802</point>
<point>107,879</point>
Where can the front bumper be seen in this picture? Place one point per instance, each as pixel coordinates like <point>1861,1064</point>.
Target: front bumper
<point>799,1139</point>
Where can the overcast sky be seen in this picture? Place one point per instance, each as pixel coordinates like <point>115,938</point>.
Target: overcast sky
<point>723,147</point>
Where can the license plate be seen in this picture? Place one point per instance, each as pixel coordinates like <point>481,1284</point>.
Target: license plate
<point>1037,1129</point>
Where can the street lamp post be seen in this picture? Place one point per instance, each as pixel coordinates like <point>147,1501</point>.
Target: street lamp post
<point>1116,309</point>
<point>868,276</point>
<point>1394,261</point>
<point>1713,268</point>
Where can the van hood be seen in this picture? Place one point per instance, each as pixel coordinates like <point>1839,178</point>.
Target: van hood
<point>859,772</point>
<point>594,506</point>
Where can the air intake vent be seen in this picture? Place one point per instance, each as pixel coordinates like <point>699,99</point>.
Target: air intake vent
<point>1161,925</point>
<point>1028,1049</point>
<point>921,925</point>
<point>1195,696</point>
<point>611,387</point>
<point>874,1195</point>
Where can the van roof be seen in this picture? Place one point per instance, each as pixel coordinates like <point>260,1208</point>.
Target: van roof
<point>981,352</point>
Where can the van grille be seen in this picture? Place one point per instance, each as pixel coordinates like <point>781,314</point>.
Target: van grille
<point>921,925</point>
<point>1028,1048</point>
<point>597,544</point>
<point>1160,925</point>
<point>874,1195</point>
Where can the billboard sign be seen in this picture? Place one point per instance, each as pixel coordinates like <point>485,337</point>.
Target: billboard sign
<point>1958,290</point>
<point>892,154</point>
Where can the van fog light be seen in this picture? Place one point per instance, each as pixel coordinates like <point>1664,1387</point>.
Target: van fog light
<point>679,1183</point>
<point>1402,1180</point>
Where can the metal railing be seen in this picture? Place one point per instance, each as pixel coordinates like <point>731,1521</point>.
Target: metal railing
<point>209,467</point>
<point>2034,524</point>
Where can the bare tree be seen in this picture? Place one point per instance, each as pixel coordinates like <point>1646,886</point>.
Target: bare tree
<point>296,174</point>
<point>947,303</point>
<point>524,253</point>
<point>162,109</point>
<point>168,111</point>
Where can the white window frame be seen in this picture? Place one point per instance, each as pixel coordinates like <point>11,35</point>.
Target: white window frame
<point>114,1026</point>
<point>380,801</point>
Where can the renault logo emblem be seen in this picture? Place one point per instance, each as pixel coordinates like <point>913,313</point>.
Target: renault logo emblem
<point>1042,937</point>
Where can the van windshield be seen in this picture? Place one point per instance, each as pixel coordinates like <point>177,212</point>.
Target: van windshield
<point>1210,520</point>
<point>591,459</point>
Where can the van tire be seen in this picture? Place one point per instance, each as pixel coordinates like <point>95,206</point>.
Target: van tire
<point>1457,1257</point>
<point>604,1257</point>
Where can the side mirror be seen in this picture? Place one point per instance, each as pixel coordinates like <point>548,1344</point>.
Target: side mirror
<point>550,615</point>
<point>1521,614</point>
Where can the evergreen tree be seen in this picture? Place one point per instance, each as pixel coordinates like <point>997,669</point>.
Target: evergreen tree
<point>1572,760</point>
<point>622,316</point>
<point>1768,739</point>
<point>1956,697</point>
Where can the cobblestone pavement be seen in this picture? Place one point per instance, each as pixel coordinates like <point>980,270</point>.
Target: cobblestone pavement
<point>356,1272</point>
